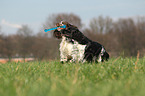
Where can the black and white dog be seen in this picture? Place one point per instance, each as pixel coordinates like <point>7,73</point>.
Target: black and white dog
<point>77,46</point>
<point>70,50</point>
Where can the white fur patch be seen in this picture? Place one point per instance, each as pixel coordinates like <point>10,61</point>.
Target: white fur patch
<point>101,54</point>
<point>76,51</point>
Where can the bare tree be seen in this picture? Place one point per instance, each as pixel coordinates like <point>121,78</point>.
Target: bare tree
<point>140,28</point>
<point>0,30</point>
<point>101,25</point>
<point>1,43</point>
<point>130,35</point>
<point>25,31</point>
<point>9,47</point>
<point>25,41</point>
<point>45,48</point>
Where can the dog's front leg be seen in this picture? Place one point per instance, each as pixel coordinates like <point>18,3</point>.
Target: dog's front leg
<point>63,57</point>
<point>81,50</point>
<point>74,52</point>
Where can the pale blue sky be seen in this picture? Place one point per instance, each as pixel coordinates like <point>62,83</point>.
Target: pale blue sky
<point>14,13</point>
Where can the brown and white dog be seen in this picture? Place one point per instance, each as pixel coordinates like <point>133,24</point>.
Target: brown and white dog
<point>77,46</point>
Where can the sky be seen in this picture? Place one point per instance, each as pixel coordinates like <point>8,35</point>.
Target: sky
<point>15,13</point>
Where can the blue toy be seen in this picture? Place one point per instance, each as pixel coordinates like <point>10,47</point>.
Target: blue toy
<point>64,26</point>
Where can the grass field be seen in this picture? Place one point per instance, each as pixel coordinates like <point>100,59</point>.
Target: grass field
<point>117,77</point>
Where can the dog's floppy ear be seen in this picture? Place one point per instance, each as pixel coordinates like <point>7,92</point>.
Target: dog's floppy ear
<point>57,34</point>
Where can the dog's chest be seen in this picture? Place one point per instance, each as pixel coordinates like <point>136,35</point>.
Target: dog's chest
<point>72,48</point>
<point>65,46</point>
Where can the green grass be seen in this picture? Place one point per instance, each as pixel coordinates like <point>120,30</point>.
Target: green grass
<point>117,77</point>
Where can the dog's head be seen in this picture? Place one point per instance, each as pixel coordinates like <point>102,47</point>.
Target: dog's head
<point>57,32</point>
<point>63,23</point>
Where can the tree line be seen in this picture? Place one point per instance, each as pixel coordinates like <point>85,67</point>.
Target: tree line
<point>125,36</point>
